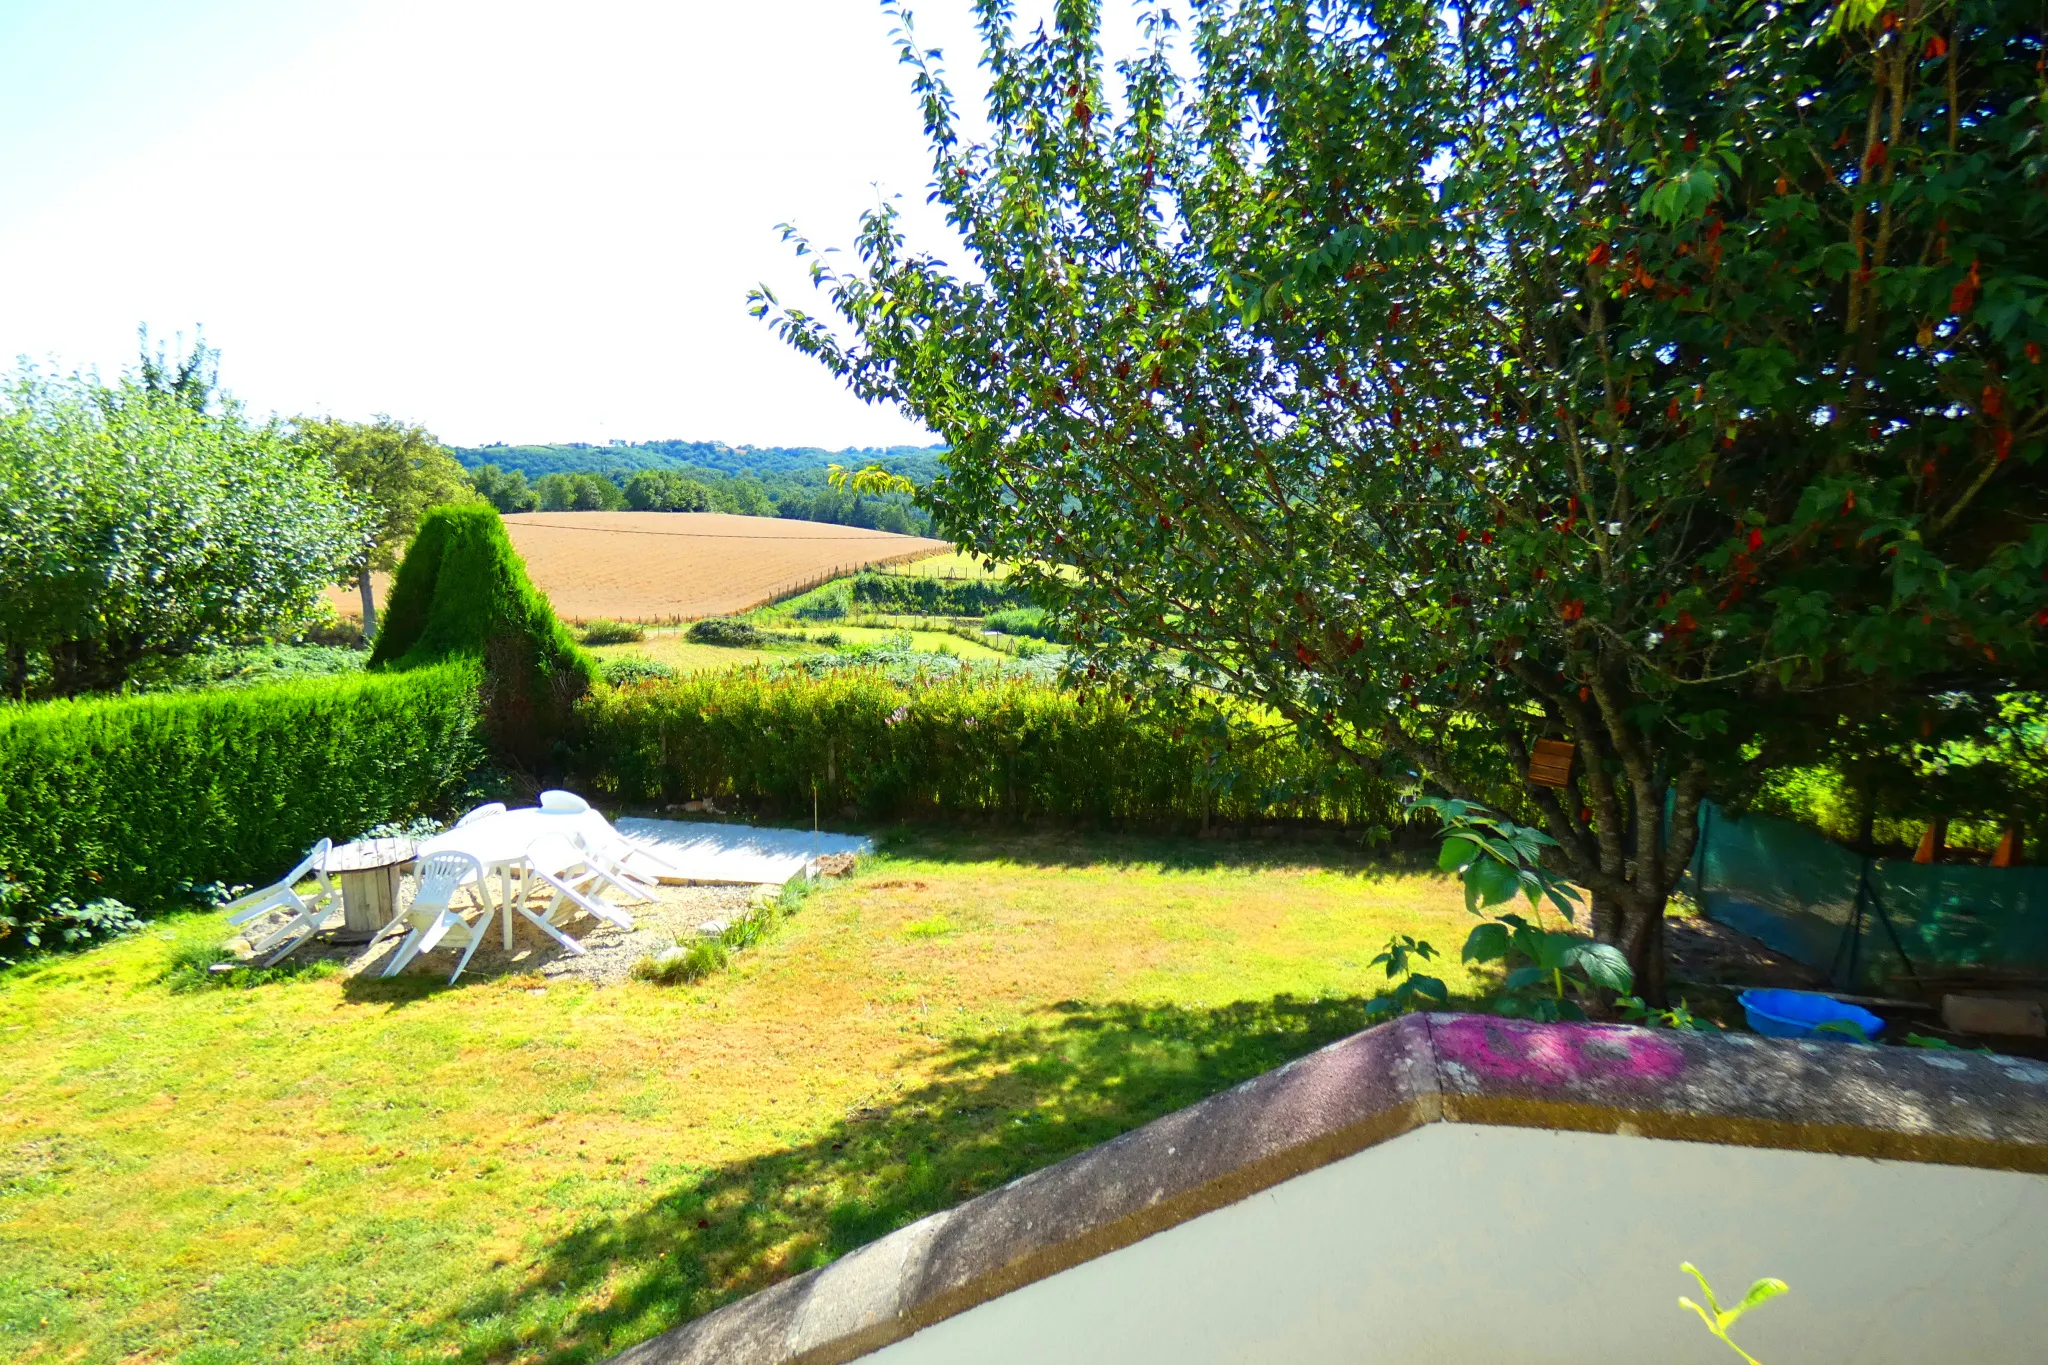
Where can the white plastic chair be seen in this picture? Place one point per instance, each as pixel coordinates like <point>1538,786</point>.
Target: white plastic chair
<point>303,915</point>
<point>605,858</point>
<point>483,812</point>
<point>563,803</point>
<point>563,862</point>
<point>432,914</point>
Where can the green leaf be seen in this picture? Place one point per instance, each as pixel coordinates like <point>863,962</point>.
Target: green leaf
<point>1562,897</point>
<point>1604,965</point>
<point>1763,1291</point>
<point>1486,943</point>
<point>1456,853</point>
<point>1492,880</point>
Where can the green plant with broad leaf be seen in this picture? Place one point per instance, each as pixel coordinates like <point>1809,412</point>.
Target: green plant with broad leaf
<point>1550,972</point>
<point>1719,1319</point>
<point>1402,952</point>
<point>1557,970</point>
<point>1497,858</point>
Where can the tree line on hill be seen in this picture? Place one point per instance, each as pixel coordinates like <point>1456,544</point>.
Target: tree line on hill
<point>917,463</point>
<point>769,490</point>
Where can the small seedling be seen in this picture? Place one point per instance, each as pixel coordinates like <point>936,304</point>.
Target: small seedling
<point>1402,952</point>
<point>1679,1016</point>
<point>1719,1319</point>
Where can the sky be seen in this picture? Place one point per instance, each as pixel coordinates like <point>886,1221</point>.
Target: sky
<point>508,221</point>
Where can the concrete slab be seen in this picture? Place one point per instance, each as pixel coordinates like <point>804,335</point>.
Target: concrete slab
<point>704,851</point>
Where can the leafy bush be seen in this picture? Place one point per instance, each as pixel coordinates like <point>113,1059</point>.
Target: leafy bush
<point>68,924</point>
<point>1029,621</point>
<point>249,666</point>
<point>608,632</point>
<point>978,742</point>
<point>936,596</point>
<point>1984,768</point>
<point>724,630</point>
<point>626,672</point>
<point>462,593</point>
<point>144,521</point>
<point>829,603</point>
<point>143,799</point>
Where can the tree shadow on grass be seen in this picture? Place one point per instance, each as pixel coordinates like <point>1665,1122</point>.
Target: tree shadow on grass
<point>1005,1104</point>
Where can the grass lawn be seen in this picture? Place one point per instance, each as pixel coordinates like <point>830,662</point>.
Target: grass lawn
<point>364,1171</point>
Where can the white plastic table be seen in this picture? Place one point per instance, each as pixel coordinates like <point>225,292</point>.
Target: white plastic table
<point>503,844</point>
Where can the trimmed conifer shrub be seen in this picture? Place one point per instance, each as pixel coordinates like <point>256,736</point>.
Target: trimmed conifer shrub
<point>462,593</point>
<point>143,798</point>
<point>724,630</point>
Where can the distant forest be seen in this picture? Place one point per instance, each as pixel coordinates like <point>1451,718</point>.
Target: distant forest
<point>699,476</point>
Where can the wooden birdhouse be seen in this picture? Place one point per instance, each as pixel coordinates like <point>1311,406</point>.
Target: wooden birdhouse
<point>1550,763</point>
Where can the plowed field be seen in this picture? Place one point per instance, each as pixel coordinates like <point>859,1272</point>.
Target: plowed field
<point>677,566</point>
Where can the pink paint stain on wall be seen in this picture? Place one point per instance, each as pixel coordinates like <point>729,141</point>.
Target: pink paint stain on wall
<point>1553,1054</point>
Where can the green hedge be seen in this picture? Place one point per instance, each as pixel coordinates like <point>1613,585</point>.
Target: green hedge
<point>912,595</point>
<point>971,745</point>
<point>462,593</point>
<point>1028,622</point>
<point>128,797</point>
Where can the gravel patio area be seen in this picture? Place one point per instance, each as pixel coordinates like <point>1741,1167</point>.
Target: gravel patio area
<point>609,952</point>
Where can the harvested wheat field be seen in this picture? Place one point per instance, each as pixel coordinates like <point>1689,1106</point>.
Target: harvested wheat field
<point>677,566</point>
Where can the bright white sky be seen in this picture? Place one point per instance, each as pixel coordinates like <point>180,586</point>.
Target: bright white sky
<point>504,219</point>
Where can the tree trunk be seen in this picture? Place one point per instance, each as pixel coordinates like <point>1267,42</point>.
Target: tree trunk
<point>1646,953</point>
<point>1636,926</point>
<point>369,603</point>
<point>17,671</point>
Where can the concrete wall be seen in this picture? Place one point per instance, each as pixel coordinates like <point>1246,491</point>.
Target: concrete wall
<point>1513,1246</point>
<point>1484,1191</point>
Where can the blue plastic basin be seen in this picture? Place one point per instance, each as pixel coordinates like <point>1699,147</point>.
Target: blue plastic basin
<point>1799,1014</point>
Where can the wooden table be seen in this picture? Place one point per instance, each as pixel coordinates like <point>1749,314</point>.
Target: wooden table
<point>368,874</point>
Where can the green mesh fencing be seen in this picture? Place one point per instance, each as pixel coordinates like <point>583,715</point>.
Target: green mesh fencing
<point>1871,924</point>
